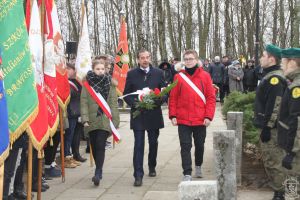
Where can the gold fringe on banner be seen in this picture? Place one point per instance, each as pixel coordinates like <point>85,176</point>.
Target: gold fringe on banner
<point>51,141</point>
<point>18,132</point>
<point>4,155</point>
<point>54,128</point>
<point>41,154</point>
<point>63,105</point>
<point>36,144</point>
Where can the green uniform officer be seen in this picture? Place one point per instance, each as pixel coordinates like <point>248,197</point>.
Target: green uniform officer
<point>267,101</point>
<point>289,117</point>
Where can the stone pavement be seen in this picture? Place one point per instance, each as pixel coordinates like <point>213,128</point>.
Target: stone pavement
<point>117,182</point>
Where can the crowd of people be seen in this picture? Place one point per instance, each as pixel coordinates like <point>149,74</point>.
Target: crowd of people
<point>191,104</point>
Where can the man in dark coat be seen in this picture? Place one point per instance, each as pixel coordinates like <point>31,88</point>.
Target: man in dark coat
<point>249,79</point>
<point>168,72</point>
<point>144,75</point>
<point>216,70</point>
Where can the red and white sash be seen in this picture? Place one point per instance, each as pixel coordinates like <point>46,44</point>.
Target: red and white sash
<point>74,86</point>
<point>105,107</point>
<point>193,86</point>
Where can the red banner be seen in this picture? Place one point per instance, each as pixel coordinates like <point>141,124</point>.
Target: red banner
<point>50,61</point>
<point>121,65</point>
<point>63,87</point>
<point>39,129</point>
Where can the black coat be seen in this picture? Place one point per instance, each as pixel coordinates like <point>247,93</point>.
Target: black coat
<point>137,80</point>
<point>249,76</point>
<point>268,96</point>
<point>168,72</point>
<point>74,105</point>
<point>216,71</point>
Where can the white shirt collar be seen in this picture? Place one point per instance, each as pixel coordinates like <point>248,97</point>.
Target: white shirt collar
<point>147,69</point>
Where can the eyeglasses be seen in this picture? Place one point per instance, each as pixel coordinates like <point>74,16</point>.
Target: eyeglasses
<point>188,59</point>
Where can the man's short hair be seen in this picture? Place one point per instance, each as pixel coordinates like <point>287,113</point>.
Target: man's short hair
<point>191,51</point>
<point>141,51</point>
<point>277,60</point>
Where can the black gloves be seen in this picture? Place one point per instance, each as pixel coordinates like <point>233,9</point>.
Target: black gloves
<point>265,135</point>
<point>287,161</point>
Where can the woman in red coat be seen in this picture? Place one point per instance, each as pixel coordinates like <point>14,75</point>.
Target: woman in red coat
<point>192,106</point>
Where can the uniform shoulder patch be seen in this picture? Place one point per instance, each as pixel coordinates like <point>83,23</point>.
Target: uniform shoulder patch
<point>274,81</point>
<point>296,92</point>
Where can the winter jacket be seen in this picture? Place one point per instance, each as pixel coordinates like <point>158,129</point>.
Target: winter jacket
<point>186,106</point>
<point>234,84</point>
<point>168,72</point>
<point>216,71</point>
<point>249,76</point>
<point>89,110</point>
<point>74,105</point>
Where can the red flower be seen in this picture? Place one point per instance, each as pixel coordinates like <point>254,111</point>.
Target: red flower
<point>156,91</point>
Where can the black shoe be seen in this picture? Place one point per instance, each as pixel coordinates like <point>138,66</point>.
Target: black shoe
<point>278,196</point>
<point>96,180</point>
<point>80,159</point>
<point>35,187</point>
<point>20,194</point>
<point>152,172</point>
<point>138,181</point>
<point>46,177</point>
<point>44,183</point>
<point>10,197</point>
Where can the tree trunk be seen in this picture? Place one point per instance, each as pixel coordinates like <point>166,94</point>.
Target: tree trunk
<point>216,39</point>
<point>141,43</point>
<point>274,39</point>
<point>227,28</point>
<point>174,47</point>
<point>155,38</point>
<point>188,24</point>
<point>74,33</point>
<point>204,26</point>
<point>161,30</point>
<point>281,24</point>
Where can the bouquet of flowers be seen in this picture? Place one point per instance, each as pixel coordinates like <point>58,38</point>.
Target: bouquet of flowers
<point>147,98</point>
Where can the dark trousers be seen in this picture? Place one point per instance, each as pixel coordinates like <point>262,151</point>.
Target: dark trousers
<point>226,90</point>
<point>50,151</point>
<point>76,140</point>
<point>249,88</point>
<point>185,137</point>
<point>35,164</point>
<point>221,90</point>
<point>97,140</point>
<point>10,164</point>
<point>138,154</point>
<point>69,135</point>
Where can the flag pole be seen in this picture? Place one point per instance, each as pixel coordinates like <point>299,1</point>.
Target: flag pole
<point>62,145</point>
<point>39,193</point>
<point>91,156</point>
<point>29,168</point>
<point>1,180</point>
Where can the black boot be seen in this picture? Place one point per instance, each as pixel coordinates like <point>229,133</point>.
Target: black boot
<point>278,195</point>
<point>98,176</point>
<point>20,194</point>
<point>138,181</point>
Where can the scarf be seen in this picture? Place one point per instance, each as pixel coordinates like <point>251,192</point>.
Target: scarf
<point>101,84</point>
<point>192,70</point>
